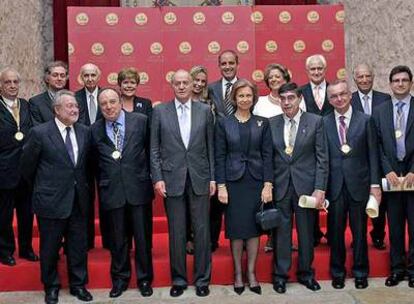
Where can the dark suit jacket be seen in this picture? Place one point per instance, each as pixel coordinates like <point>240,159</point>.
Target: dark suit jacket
<point>383,116</point>
<point>215,93</point>
<point>231,161</point>
<point>83,108</point>
<point>377,99</point>
<point>56,180</point>
<point>41,108</point>
<point>308,166</point>
<point>310,102</point>
<point>359,169</point>
<point>10,148</point>
<point>126,180</point>
<point>171,161</point>
<point>144,106</point>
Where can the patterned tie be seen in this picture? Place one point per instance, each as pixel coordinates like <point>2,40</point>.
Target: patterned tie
<point>342,130</point>
<point>69,146</point>
<point>292,132</point>
<point>367,108</point>
<point>399,125</point>
<point>228,106</point>
<point>184,124</point>
<point>117,136</point>
<point>318,97</point>
<point>92,109</point>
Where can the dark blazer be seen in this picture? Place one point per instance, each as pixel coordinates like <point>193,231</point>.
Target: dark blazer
<point>10,148</point>
<point>144,106</point>
<point>56,180</point>
<point>310,102</point>
<point>383,116</point>
<point>215,93</point>
<point>377,99</point>
<point>83,108</point>
<point>358,169</point>
<point>41,108</point>
<point>231,161</point>
<point>308,166</point>
<point>170,160</point>
<point>126,180</point>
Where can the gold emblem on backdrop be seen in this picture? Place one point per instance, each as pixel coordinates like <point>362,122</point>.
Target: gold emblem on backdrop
<point>313,16</point>
<point>97,48</point>
<point>299,46</point>
<point>227,17</point>
<point>256,17</point>
<point>169,76</point>
<point>271,46</point>
<point>243,46</point>
<point>143,78</point>
<point>341,73</point>
<point>127,48</point>
<point>285,17</point>
<point>111,19</point>
<point>327,45</point>
<point>170,18</point>
<point>257,75</point>
<point>214,47</point>
<point>112,78</point>
<point>156,48</point>
<point>71,49</point>
<point>340,16</point>
<point>82,19</point>
<point>141,19</point>
<point>199,18</point>
<point>185,47</point>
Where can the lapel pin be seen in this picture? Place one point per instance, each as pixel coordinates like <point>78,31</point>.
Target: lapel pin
<point>139,105</point>
<point>259,123</point>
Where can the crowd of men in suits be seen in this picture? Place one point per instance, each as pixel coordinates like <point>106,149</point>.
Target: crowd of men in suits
<point>57,147</point>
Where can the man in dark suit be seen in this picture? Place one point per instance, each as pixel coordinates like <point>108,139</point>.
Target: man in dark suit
<point>300,165</point>
<point>219,92</point>
<point>365,99</point>
<point>55,76</point>
<point>15,123</point>
<point>182,167</point>
<point>121,143</point>
<point>394,120</point>
<point>55,159</point>
<point>353,175</point>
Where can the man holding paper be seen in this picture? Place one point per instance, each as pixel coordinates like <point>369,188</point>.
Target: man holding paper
<point>394,120</point>
<point>353,176</point>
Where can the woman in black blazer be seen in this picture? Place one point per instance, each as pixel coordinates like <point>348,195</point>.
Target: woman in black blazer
<point>244,174</point>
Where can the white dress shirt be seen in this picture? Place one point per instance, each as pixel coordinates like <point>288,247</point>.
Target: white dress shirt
<point>322,90</point>
<point>185,127</point>
<point>224,85</point>
<point>62,131</point>
<point>361,97</point>
<point>287,125</point>
<point>348,115</point>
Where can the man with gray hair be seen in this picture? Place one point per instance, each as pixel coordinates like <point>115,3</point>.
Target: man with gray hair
<point>55,159</point>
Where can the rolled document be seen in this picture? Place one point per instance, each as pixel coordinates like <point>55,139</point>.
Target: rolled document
<point>306,201</point>
<point>372,207</point>
<point>387,187</point>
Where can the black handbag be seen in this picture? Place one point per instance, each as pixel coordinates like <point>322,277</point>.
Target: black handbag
<point>268,218</point>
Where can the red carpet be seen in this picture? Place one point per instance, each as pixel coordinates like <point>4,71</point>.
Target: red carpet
<point>26,275</point>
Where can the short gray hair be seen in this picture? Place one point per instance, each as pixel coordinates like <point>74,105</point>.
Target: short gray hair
<point>57,101</point>
<point>9,69</point>
<point>316,57</point>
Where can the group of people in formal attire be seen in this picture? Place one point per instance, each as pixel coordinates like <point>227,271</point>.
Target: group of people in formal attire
<point>213,149</point>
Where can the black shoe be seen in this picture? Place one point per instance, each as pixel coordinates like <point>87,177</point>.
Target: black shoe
<point>117,289</point>
<point>256,289</point>
<point>52,296</point>
<point>361,283</point>
<point>394,279</point>
<point>145,288</point>
<point>311,284</point>
<point>81,293</point>
<point>30,256</point>
<point>279,286</point>
<point>378,244</point>
<point>177,290</point>
<point>8,260</point>
<point>239,290</point>
<point>338,283</point>
<point>411,282</point>
<point>202,291</point>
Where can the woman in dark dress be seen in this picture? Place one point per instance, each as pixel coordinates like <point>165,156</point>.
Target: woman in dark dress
<point>244,174</point>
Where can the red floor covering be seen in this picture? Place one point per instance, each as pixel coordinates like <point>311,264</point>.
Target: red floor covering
<point>26,275</point>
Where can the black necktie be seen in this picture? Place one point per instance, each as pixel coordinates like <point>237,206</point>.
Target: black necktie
<point>69,146</point>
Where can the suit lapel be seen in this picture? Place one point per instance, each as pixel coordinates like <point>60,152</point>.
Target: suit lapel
<point>410,117</point>
<point>128,130</point>
<point>6,113</point>
<point>332,130</point>
<point>353,127</point>
<point>280,137</point>
<point>300,135</point>
<point>390,122</point>
<point>195,119</point>
<point>80,138</point>
<point>173,122</point>
<point>218,91</point>
<point>357,105</point>
<point>58,142</point>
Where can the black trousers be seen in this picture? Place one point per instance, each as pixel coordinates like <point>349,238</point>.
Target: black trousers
<point>337,223</point>
<point>52,231</point>
<point>282,238</point>
<point>216,217</point>
<point>176,207</point>
<point>135,219</point>
<point>18,198</point>
<point>378,224</point>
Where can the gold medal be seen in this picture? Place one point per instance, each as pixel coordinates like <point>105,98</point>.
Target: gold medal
<point>19,136</point>
<point>398,133</point>
<point>289,150</point>
<point>116,155</point>
<point>345,148</point>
